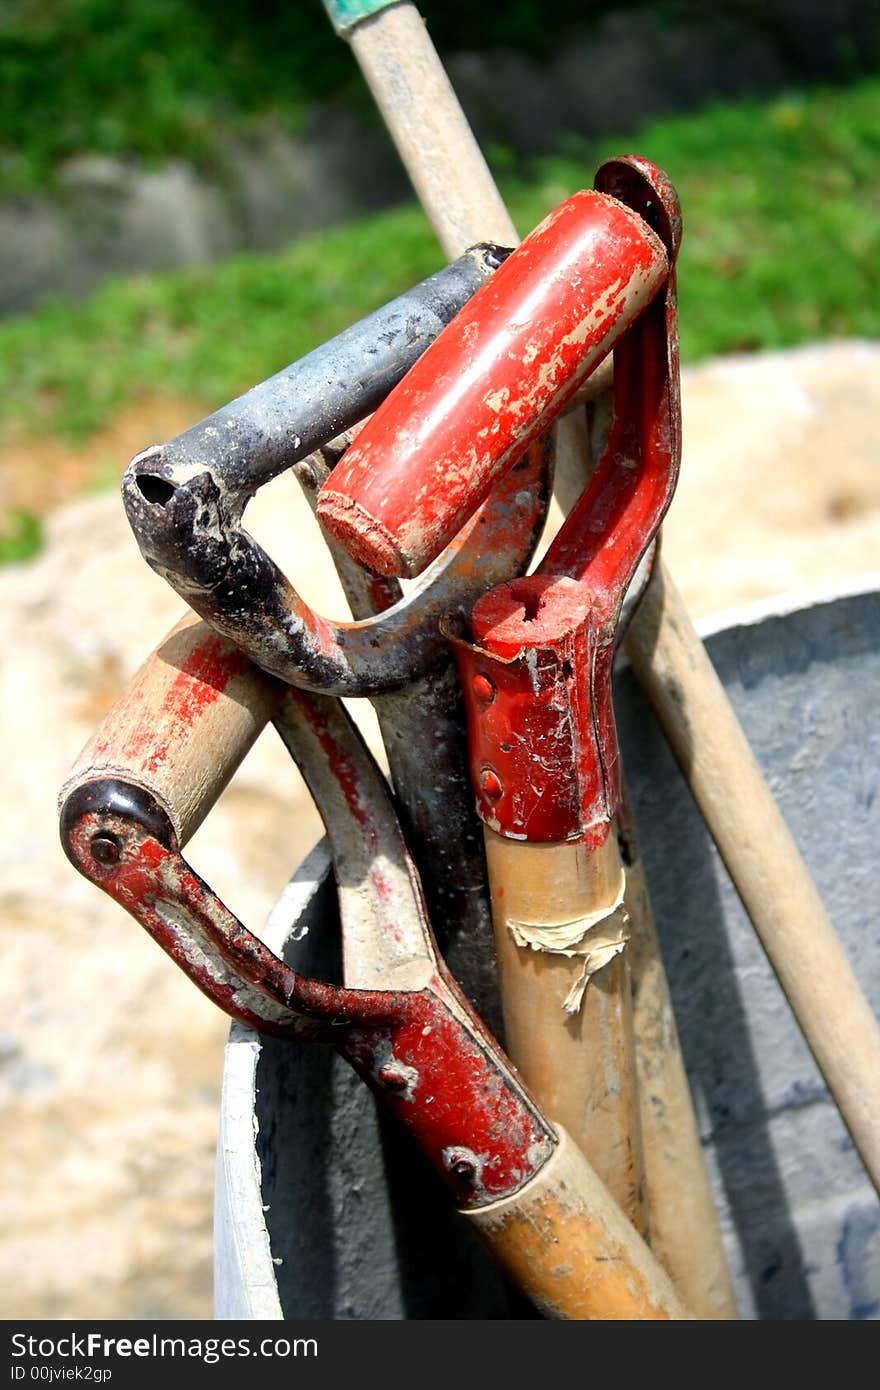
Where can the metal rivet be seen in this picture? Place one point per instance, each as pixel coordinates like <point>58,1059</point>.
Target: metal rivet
<point>484,689</point>
<point>462,1164</point>
<point>491,784</point>
<point>106,849</point>
<point>392,1077</point>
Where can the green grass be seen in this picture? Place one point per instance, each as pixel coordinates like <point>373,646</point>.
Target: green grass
<point>153,79</point>
<point>782,245</point>
<point>21,535</point>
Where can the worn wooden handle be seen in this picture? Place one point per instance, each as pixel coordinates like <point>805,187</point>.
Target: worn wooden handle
<point>429,128</point>
<point>182,726</point>
<point>560,938</point>
<point>685,1233</point>
<point>565,1242</point>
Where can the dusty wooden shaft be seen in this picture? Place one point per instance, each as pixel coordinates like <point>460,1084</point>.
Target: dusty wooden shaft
<point>685,1233</point>
<point>580,1064</point>
<point>437,146</point>
<point>762,859</point>
<point>430,130</point>
<point>565,1242</point>
<point>182,725</point>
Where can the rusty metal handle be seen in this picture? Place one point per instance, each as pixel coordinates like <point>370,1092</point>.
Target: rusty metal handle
<point>138,791</point>
<point>188,534</point>
<point>185,502</point>
<point>399,1019</point>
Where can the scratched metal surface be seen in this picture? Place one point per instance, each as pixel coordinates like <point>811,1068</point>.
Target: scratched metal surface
<point>801,1222</point>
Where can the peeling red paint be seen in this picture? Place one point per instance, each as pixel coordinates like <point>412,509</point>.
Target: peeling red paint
<point>459,1092</point>
<point>493,380</point>
<point>546,642</point>
<point>463,1094</point>
<point>206,669</point>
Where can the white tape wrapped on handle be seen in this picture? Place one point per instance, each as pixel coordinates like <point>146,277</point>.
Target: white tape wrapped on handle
<point>597,938</point>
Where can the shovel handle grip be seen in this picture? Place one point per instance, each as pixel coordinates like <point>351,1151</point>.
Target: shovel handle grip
<point>491,383</point>
<point>182,726</point>
<point>567,1245</point>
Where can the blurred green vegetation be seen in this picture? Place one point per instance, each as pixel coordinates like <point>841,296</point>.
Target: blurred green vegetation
<point>161,78</point>
<point>782,245</point>
<point>21,535</point>
<point>152,79</point>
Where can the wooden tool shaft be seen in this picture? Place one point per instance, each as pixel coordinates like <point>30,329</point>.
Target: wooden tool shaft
<point>182,726</point>
<point>565,1242</point>
<point>573,1044</point>
<point>762,859</point>
<point>430,130</point>
<point>685,1232</point>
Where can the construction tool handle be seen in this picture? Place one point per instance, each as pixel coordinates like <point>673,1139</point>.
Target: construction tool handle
<point>429,128</point>
<point>666,653</point>
<point>763,861</point>
<point>685,1232</point>
<point>492,382</point>
<point>566,1243</point>
<point>560,938</point>
<point>182,726</point>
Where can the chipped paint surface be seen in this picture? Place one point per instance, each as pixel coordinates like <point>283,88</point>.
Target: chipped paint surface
<point>204,669</point>
<point>546,643</point>
<point>194,539</point>
<point>493,381</point>
<point>407,1022</point>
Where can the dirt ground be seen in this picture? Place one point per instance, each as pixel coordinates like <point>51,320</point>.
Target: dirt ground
<point>109,1061</point>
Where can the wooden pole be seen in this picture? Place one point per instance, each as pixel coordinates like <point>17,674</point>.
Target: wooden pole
<point>566,1243</point>
<point>761,858</point>
<point>568,1017</point>
<point>195,692</point>
<point>410,87</point>
<point>685,1234</point>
